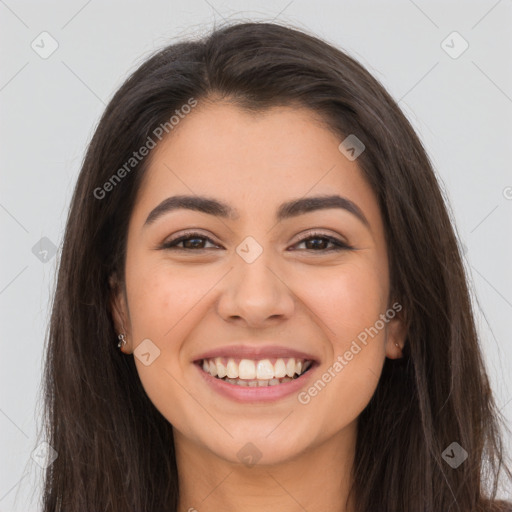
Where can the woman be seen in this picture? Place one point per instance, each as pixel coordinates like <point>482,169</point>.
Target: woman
<point>261,303</point>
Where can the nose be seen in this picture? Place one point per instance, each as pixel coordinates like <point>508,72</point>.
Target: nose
<point>255,294</point>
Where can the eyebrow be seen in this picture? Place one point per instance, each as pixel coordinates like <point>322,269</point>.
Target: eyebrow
<point>286,210</point>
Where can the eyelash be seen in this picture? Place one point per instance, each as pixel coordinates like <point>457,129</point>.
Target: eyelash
<point>338,244</point>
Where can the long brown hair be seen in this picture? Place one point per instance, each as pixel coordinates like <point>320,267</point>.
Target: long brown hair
<point>115,449</point>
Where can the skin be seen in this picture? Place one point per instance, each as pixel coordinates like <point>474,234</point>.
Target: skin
<point>317,302</point>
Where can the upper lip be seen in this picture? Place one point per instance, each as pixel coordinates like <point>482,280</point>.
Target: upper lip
<point>255,352</point>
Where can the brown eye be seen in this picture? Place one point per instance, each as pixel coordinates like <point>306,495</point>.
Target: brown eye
<point>318,242</point>
<point>190,241</point>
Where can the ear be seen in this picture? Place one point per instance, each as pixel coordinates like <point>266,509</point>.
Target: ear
<point>396,333</point>
<point>119,312</point>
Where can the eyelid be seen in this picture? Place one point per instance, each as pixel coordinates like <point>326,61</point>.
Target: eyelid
<point>185,235</point>
<point>318,232</point>
<point>338,243</point>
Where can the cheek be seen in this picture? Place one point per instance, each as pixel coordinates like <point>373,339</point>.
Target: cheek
<point>166,304</point>
<point>162,299</point>
<point>349,303</point>
<point>348,299</point>
<point>163,304</point>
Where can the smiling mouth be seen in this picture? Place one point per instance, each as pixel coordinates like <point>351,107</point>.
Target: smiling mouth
<point>255,372</point>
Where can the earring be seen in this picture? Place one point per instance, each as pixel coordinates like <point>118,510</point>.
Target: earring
<point>397,345</point>
<point>122,341</point>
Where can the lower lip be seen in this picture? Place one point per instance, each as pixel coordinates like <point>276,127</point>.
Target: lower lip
<point>256,394</point>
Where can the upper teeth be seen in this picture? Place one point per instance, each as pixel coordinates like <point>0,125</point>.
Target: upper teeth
<point>255,369</point>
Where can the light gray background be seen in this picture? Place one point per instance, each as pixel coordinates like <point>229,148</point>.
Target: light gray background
<point>461,108</point>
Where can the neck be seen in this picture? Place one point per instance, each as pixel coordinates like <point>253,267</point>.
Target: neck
<point>315,480</point>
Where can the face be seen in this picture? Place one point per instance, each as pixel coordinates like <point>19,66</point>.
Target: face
<point>256,289</point>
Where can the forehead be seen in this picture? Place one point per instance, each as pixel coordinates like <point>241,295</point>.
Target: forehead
<point>252,160</point>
